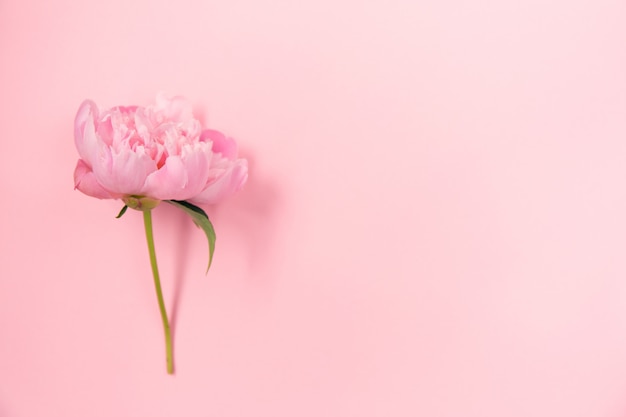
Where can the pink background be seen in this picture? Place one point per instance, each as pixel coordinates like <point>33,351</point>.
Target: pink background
<point>435,222</point>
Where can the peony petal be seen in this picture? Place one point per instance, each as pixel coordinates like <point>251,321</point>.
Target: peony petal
<point>125,171</point>
<point>173,108</point>
<point>181,177</point>
<point>168,182</point>
<point>221,143</point>
<point>85,136</point>
<point>197,160</point>
<point>232,180</point>
<point>85,181</point>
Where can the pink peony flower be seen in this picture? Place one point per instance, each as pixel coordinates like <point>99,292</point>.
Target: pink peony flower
<point>145,155</point>
<point>159,152</point>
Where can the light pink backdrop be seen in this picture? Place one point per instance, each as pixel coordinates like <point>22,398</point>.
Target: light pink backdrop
<point>435,222</point>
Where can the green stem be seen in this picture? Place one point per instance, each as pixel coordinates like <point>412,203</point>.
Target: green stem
<point>147,220</point>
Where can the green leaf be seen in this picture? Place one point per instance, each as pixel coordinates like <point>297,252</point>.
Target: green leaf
<point>122,211</point>
<point>201,220</point>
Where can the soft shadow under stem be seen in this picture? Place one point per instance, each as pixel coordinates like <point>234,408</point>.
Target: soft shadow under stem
<point>147,220</point>
<point>180,272</point>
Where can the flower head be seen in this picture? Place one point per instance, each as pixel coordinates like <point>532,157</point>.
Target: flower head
<point>159,152</point>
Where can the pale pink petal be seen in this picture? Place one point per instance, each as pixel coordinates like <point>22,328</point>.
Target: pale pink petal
<point>116,125</point>
<point>221,143</point>
<point>143,124</point>
<point>105,130</point>
<point>181,177</point>
<point>85,181</point>
<point>232,180</point>
<point>168,182</point>
<point>123,172</point>
<point>197,161</point>
<point>173,108</point>
<point>85,131</point>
